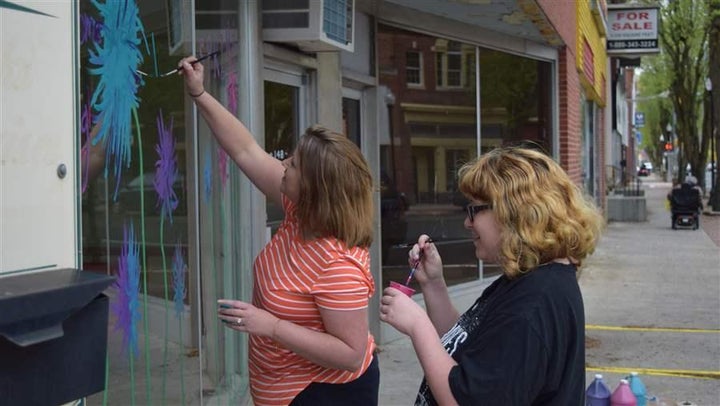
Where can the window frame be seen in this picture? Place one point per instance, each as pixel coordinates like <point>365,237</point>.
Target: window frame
<point>419,68</point>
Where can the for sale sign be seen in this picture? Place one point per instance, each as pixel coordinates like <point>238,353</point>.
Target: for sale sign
<point>632,29</point>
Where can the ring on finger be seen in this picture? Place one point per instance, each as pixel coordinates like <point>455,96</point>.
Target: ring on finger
<point>239,321</point>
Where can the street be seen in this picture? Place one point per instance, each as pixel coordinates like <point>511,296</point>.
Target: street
<point>652,305</point>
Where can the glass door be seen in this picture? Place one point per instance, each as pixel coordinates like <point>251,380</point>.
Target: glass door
<point>284,121</point>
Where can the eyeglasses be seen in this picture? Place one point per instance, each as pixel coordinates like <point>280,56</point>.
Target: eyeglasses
<point>473,209</point>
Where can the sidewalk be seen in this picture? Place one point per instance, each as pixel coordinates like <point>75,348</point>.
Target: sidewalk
<point>652,304</point>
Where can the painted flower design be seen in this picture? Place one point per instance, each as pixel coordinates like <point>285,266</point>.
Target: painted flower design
<point>127,306</point>
<point>179,268</point>
<point>115,60</point>
<point>166,170</point>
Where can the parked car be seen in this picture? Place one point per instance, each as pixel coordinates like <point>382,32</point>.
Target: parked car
<point>643,170</point>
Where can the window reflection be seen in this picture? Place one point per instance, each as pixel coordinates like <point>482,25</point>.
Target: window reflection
<point>351,119</point>
<point>281,131</point>
<point>432,130</point>
<point>515,100</point>
<point>413,68</point>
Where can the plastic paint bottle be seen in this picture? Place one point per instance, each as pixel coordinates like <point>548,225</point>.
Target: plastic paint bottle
<point>597,394</point>
<point>638,389</point>
<point>623,396</point>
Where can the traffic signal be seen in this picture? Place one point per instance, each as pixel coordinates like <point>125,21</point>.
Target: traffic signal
<point>668,146</point>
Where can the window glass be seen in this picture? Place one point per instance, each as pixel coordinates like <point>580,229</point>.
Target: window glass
<point>516,101</point>
<point>139,140</point>
<point>454,64</point>
<point>432,131</point>
<point>351,119</point>
<point>121,187</point>
<point>413,68</point>
<point>281,131</point>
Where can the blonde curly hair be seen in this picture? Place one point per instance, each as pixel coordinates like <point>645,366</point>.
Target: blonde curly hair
<point>543,214</point>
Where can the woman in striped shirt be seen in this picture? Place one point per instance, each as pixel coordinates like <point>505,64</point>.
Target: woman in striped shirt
<point>308,320</point>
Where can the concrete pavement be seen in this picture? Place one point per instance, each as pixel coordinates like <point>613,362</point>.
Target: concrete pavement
<point>652,305</point>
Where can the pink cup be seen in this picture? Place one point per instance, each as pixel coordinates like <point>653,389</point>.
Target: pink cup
<point>402,288</point>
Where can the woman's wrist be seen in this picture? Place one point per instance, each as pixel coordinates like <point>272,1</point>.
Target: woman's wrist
<point>275,329</point>
<point>433,284</point>
<point>196,95</point>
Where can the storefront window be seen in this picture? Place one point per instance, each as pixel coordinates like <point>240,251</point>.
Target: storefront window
<point>351,119</point>
<point>139,142</point>
<point>515,99</point>
<point>434,130</point>
<point>282,128</point>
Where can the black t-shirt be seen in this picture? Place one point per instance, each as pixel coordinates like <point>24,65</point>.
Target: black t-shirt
<point>521,343</point>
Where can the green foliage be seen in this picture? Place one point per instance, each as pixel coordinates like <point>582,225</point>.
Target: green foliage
<point>654,80</point>
<point>681,68</point>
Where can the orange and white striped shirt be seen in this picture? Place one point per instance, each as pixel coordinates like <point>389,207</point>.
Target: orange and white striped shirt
<point>293,279</point>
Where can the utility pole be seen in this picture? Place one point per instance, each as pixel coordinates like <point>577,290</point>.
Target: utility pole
<point>713,153</point>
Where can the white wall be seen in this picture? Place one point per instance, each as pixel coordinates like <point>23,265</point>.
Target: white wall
<point>37,133</point>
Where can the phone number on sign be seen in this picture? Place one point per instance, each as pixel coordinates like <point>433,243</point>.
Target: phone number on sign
<point>632,44</point>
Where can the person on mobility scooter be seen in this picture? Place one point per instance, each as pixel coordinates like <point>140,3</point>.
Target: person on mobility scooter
<point>686,204</point>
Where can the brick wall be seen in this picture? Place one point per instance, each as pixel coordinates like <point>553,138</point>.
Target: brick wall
<point>570,114</point>
<point>563,17</point>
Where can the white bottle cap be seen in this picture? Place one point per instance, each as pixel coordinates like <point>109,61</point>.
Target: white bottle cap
<point>633,373</point>
<point>625,381</point>
<point>598,376</point>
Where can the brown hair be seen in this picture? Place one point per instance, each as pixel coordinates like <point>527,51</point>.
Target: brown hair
<point>544,215</point>
<point>336,188</point>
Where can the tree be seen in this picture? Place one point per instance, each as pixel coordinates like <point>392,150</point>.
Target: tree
<point>654,81</point>
<point>684,41</point>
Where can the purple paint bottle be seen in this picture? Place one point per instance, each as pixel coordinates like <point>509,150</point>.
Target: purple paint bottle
<point>597,393</point>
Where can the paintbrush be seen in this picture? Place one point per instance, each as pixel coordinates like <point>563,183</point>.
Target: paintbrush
<point>436,242</point>
<point>178,69</point>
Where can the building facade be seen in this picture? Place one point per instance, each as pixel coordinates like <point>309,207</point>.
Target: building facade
<point>421,87</point>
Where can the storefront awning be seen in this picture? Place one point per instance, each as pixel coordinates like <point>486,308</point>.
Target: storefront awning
<point>518,18</point>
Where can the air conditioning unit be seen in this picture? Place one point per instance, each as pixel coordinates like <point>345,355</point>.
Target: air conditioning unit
<point>312,25</point>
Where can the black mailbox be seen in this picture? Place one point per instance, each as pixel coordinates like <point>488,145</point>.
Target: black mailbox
<point>53,336</point>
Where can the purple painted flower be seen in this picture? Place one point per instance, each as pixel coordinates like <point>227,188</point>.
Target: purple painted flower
<point>179,268</point>
<point>115,60</point>
<point>232,93</point>
<point>166,170</point>
<point>127,306</point>
<point>222,166</point>
<point>89,29</point>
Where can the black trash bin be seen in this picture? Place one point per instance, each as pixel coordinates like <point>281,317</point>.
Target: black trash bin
<point>53,336</point>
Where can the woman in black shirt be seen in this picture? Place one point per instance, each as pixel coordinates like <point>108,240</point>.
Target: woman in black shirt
<point>522,342</point>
